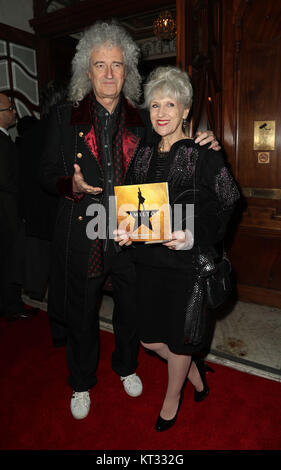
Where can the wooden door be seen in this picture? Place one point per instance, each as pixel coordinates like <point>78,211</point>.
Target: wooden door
<point>232,50</point>
<point>251,129</point>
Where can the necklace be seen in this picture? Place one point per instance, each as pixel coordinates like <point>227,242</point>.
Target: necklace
<point>161,147</point>
<point>162,144</point>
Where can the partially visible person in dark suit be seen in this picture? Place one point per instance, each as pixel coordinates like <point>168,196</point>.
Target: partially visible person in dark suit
<point>11,304</point>
<point>38,207</point>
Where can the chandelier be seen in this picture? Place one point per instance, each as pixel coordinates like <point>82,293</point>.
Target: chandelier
<point>164,27</point>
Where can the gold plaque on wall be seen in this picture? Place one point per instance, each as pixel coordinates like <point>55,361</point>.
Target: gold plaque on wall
<point>264,135</point>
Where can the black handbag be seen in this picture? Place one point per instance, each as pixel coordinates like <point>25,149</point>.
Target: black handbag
<point>218,285</point>
<point>212,287</point>
<point>216,272</point>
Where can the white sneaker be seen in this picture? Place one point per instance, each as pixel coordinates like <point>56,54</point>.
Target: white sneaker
<point>80,404</point>
<point>132,385</point>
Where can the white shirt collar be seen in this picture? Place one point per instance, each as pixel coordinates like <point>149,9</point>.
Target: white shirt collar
<point>4,130</point>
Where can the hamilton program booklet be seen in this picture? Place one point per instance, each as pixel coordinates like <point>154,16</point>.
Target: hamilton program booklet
<point>143,210</point>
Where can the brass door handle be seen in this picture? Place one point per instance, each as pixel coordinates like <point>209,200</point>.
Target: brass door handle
<point>265,193</point>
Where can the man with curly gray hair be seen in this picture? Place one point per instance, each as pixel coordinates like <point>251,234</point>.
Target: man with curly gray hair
<point>94,38</point>
<point>92,140</point>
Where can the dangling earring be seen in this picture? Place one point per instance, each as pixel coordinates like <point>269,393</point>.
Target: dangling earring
<point>184,124</point>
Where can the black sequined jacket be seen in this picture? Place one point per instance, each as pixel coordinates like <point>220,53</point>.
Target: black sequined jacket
<point>195,175</point>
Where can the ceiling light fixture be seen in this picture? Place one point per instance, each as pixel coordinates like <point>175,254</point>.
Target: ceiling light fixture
<point>164,27</point>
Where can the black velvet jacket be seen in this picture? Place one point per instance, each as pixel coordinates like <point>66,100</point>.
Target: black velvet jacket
<point>71,139</point>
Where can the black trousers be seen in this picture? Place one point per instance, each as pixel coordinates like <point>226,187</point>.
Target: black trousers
<point>82,347</point>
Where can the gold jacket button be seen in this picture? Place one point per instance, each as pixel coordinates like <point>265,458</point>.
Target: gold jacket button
<point>79,155</point>
<point>80,217</point>
<point>81,134</point>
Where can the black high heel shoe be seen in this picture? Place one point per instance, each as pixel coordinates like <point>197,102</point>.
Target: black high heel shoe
<point>164,424</point>
<point>202,369</point>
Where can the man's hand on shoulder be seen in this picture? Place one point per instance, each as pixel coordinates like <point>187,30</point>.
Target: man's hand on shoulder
<point>207,137</point>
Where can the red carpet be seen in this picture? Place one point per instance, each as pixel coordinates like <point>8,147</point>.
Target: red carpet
<point>242,412</point>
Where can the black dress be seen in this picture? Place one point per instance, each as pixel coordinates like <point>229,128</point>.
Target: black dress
<point>165,277</point>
